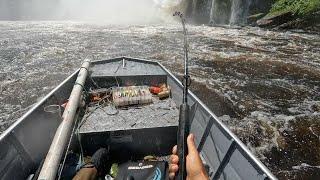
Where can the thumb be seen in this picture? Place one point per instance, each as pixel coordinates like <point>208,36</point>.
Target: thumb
<point>195,169</point>
<point>191,145</point>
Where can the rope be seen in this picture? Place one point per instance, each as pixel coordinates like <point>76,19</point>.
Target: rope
<point>117,81</point>
<point>116,72</point>
<point>76,83</point>
<point>83,88</point>
<point>85,68</point>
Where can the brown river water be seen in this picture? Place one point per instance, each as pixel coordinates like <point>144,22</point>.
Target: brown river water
<point>263,84</point>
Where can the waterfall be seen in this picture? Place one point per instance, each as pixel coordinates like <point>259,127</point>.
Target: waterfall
<point>220,12</point>
<point>233,12</point>
<point>202,11</point>
<point>239,12</point>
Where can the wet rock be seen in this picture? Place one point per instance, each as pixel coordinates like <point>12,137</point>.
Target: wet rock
<point>275,20</point>
<point>311,22</point>
<point>316,107</point>
<point>254,18</point>
<point>281,142</point>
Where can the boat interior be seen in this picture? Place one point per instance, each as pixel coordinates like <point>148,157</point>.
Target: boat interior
<point>132,131</point>
<point>118,112</point>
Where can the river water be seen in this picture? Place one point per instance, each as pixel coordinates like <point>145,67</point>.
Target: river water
<point>263,84</point>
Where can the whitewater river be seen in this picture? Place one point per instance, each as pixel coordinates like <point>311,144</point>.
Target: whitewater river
<point>263,84</point>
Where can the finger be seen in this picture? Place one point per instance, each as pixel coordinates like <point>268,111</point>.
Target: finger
<point>191,146</point>
<point>173,168</point>
<point>174,149</point>
<point>172,176</point>
<point>174,159</point>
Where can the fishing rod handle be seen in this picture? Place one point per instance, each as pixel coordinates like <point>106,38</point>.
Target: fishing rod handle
<point>182,148</point>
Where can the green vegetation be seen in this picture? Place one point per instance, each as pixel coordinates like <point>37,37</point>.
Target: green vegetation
<point>300,8</point>
<point>114,170</point>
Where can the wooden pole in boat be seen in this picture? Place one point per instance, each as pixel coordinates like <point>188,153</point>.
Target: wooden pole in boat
<point>62,136</point>
<point>184,125</point>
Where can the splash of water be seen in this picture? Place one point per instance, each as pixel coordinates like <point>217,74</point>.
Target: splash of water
<point>110,11</point>
<point>167,3</point>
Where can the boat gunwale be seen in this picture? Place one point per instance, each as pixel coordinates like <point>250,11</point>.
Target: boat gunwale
<point>10,129</point>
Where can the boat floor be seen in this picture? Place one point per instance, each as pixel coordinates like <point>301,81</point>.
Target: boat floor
<point>160,113</point>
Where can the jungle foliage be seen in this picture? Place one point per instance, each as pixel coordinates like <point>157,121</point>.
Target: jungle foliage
<point>299,8</point>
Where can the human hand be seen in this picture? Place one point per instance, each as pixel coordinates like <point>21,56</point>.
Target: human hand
<point>194,165</point>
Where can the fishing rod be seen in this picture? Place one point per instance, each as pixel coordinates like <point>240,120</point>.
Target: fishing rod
<point>183,129</point>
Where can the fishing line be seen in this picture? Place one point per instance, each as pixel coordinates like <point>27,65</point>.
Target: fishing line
<point>67,150</point>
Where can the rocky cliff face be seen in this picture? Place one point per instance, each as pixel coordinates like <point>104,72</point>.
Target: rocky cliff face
<point>282,14</point>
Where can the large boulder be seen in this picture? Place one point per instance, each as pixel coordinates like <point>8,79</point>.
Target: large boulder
<point>275,20</point>
<point>311,22</point>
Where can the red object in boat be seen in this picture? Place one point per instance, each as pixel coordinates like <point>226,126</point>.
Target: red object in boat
<point>155,90</point>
